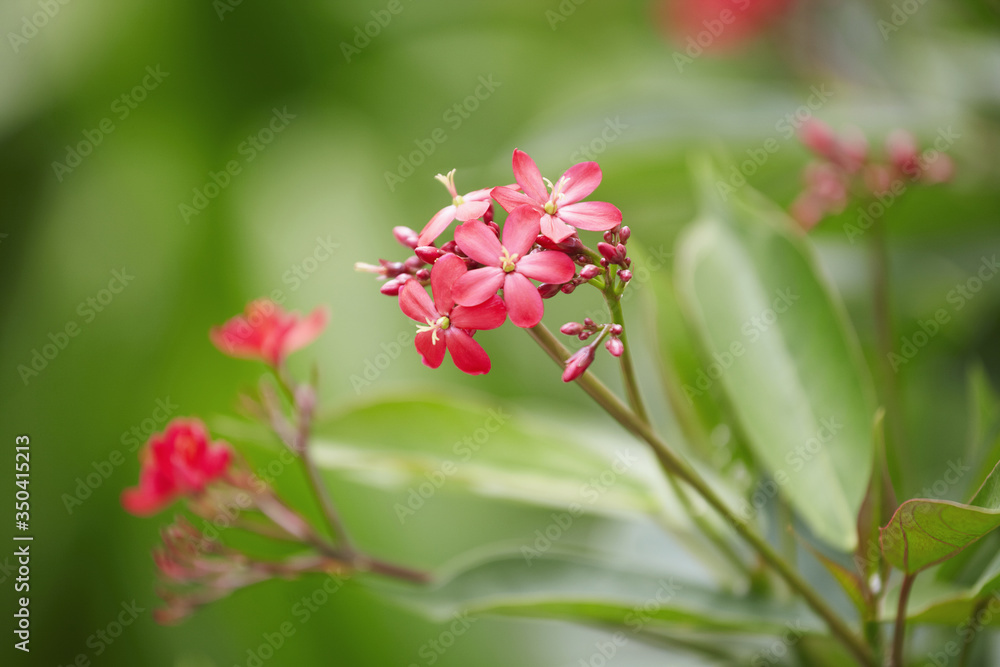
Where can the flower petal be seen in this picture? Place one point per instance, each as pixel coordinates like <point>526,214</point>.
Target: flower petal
<point>509,198</point>
<point>468,355</point>
<point>529,178</point>
<point>555,229</point>
<point>477,285</point>
<point>305,331</point>
<point>471,210</point>
<point>520,230</point>
<point>431,353</point>
<point>548,266</point>
<point>595,216</point>
<point>436,225</point>
<point>524,304</point>
<point>490,314</point>
<point>415,302</point>
<point>444,273</point>
<point>478,195</point>
<point>478,242</point>
<point>583,179</point>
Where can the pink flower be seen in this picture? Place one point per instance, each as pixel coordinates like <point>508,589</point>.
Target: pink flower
<point>463,208</point>
<point>268,333</point>
<point>447,325</point>
<point>506,265</point>
<point>559,208</point>
<point>180,461</point>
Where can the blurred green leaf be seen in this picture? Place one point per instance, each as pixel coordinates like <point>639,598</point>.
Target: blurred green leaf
<point>591,591</point>
<point>925,532</point>
<point>778,343</point>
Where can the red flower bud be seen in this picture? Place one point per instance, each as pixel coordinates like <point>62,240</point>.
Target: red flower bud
<point>406,236</point>
<point>571,328</point>
<point>547,291</point>
<point>590,272</point>
<point>429,253</point>
<point>615,347</point>
<point>578,364</point>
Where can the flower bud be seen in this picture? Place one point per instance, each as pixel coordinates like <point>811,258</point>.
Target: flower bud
<point>413,263</point>
<point>587,322</point>
<point>615,347</point>
<point>547,243</point>
<point>392,269</point>
<point>939,170</point>
<point>616,330</point>
<point>390,287</point>
<point>571,328</point>
<point>578,364</point>
<point>901,146</point>
<point>451,246</point>
<point>609,237</point>
<point>609,252</point>
<point>625,275</point>
<point>567,288</point>
<point>488,216</point>
<point>624,234</point>
<point>590,272</point>
<point>406,236</point>
<point>429,253</point>
<point>819,138</point>
<point>494,227</point>
<point>548,290</point>
<point>423,274</point>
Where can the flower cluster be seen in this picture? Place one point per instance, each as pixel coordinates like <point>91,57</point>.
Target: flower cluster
<point>184,463</point>
<point>845,168</point>
<point>485,273</point>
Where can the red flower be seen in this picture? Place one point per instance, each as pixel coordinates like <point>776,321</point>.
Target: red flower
<point>180,461</point>
<point>508,266</point>
<point>463,207</point>
<point>560,209</point>
<point>268,333</point>
<point>447,325</point>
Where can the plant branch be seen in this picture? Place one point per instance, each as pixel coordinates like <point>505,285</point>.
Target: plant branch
<point>672,463</point>
<point>899,635</point>
<point>628,369</point>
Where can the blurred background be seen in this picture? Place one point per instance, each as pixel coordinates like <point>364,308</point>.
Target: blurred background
<point>165,163</point>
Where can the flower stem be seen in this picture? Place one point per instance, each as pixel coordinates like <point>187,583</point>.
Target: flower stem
<point>628,369</point>
<point>883,335</point>
<point>900,633</point>
<point>672,463</point>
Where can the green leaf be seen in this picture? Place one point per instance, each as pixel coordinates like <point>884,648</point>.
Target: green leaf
<point>779,347</point>
<point>564,587</point>
<point>925,532</point>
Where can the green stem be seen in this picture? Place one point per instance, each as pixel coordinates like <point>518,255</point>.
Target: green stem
<point>628,369</point>
<point>883,337</point>
<point>674,464</point>
<point>899,634</point>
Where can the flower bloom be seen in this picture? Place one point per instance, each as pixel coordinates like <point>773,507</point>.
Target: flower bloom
<point>506,265</point>
<point>268,333</point>
<point>445,325</point>
<point>463,208</point>
<point>559,208</point>
<point>180,461</point>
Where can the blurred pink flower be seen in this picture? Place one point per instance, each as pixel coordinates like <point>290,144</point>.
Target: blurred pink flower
<point>178,462</point>
<point>267,333</point>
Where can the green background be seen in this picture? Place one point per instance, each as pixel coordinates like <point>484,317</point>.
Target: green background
<point>608,64</point>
